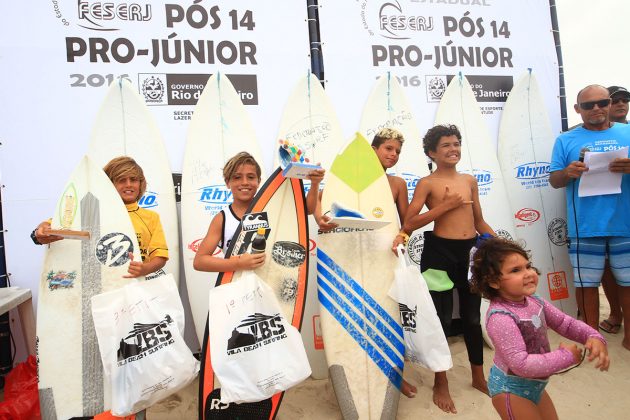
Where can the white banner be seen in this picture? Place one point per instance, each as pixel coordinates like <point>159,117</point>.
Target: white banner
<point>424,43</point>
<point>58,57</point>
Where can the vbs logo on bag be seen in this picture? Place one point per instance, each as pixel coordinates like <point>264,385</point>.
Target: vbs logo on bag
<point>145,339</point>
<point>255,331</point>
<point>408,317</point>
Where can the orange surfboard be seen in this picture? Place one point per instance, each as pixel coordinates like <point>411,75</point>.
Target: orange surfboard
<point>279,206</point>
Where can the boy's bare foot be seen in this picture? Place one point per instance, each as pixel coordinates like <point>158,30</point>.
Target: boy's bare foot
<point>478,379</point>
<point>441,395</point>
<point>626,343</point>
<point>408,390</point>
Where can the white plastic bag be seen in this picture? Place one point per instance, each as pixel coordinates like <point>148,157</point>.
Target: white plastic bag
<point>425,343</point>
<point>255,352</point>
<point>140,334</point>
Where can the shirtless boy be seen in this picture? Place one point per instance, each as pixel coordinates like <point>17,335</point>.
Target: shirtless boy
<point>453,202</point>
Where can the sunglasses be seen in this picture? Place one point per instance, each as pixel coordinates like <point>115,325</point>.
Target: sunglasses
<point>617,100</point>
<point>602,103</point>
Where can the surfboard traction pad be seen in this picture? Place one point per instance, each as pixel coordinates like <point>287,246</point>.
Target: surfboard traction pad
<point>346,401</point>
<point>91,360</point>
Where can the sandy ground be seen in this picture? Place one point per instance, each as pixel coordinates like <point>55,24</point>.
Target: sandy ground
<point>582,393</point>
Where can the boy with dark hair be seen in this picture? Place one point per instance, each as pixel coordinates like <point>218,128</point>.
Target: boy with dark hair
<point>453,202</point>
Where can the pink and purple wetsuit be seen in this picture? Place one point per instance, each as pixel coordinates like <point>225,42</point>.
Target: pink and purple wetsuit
<point>523,359</point>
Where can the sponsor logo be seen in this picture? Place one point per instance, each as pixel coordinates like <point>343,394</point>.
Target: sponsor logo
<point>377,212</point>
<point>149,199</point>
<point>154,90</point>
<point>408,317</point>
<point>177,184</point>
<point>255,331</point>
<point>186,89</point>
<point>502,233</point>
<point>311,245</point>
<point>394,24</point>
<point>155,274</point>
<point>527,215</point>
<point>95,14</point>
<point>485,88</point>
<point>215,194</point>
<point>194,245</point>
<point>557,231</point>
<point>145,339</point>
<point>253,221</point>
<point>288,254</point>
<point>343,230</point>
<point>557,283</point>
<point>113,249</point>
<point>532,170</point>
<point>414,247</point>
<point>60,279</point>
<point>435,85</point>
<point>483,177</point>
<point>288,289</point>
<point>411,180</point>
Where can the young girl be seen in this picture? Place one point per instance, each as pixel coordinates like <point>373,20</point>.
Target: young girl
<point>242,176</point>
<point>517,323</point>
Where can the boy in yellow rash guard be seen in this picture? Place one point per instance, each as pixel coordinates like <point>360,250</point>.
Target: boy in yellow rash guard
<point>128,179</point>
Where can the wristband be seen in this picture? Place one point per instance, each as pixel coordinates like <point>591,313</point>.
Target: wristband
<point>34,238</point>
<point>404,236</point>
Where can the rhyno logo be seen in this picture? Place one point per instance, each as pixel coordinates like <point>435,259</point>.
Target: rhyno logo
<point>288,254</point>
<point>527,215</point>
<point>255,331</point>
<point>215,194</point>
<point>483,177</point>
<point>145,339</point>
<point>533,170</point>
<point>408,317</point>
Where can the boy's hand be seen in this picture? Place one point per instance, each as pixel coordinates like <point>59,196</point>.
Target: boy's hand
<point>251,261</point>
<point>453,200</point>
<point>573,348</point>
<point>135,268</point>
<point>598,349</point>
<point>398,240</point>
<point>325,225</point>
<point>42,235</point>
<point>316,176</point>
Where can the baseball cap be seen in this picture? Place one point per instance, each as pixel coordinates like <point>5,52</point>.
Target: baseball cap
<point>618,90</point>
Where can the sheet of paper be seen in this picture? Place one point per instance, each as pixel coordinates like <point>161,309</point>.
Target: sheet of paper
<point>599,180</point>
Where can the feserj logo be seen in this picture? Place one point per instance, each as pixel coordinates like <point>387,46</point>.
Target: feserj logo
<point>97,11</point>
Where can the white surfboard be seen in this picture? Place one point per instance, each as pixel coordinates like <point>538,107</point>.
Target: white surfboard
<point>71,379</point>
<point>360,323</point>
<point>125,127</point>
<point>219,129</point>
<point>478,158</point>
<point>388,107</point>
<point>525,144</point>
<point>309,122</point>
